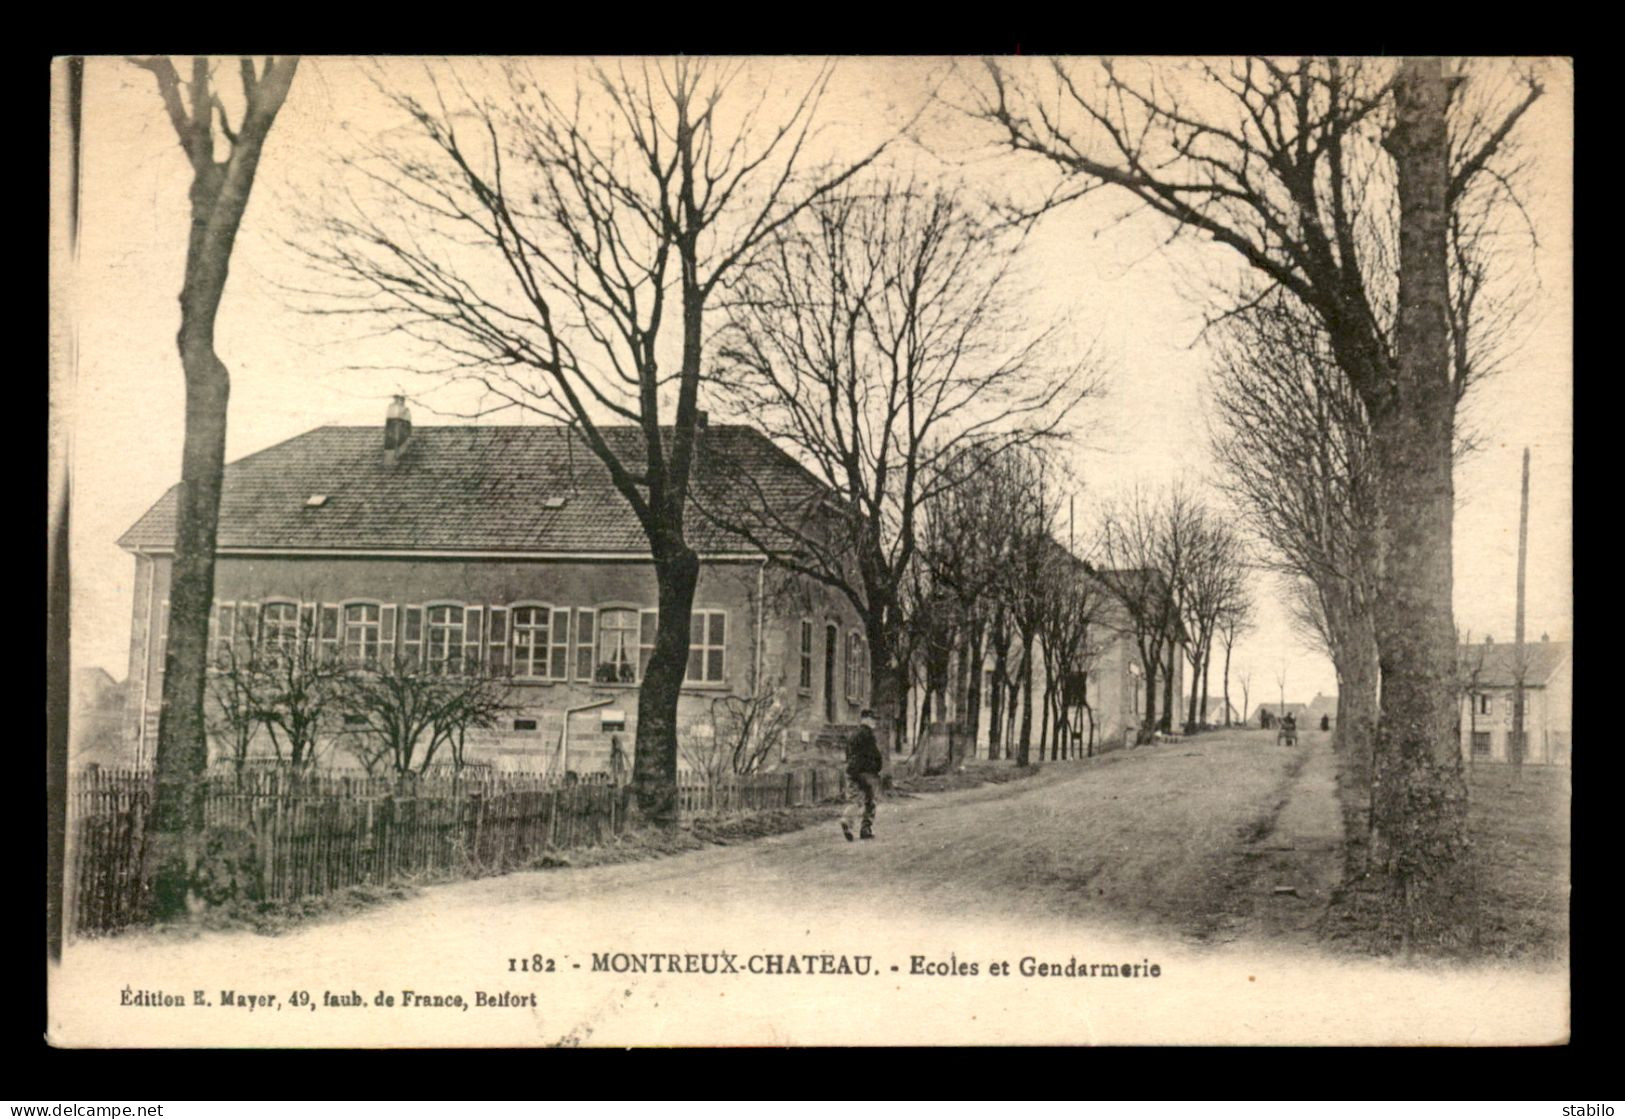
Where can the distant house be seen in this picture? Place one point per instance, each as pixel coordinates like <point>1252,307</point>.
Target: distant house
<point>1214,714</point>
<point>96,724</point>
<point>507,550</point>
<point>1322,707</point>
<point>1269,714</point>
<point>1488,675</point>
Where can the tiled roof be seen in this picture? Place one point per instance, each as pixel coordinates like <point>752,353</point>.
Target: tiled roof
<point>1541,657</point>
<point>473,488</point>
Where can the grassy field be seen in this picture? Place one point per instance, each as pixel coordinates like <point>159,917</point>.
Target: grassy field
<point>1518,875</point>
<point>1520,828</point>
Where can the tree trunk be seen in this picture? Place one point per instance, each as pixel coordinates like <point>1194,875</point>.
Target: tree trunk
<point>1048,714</point>
<point>1207,663</point>
<point>887,689</point>
<point>654,759</point>
<point>995,722</point>
<point>1227,708</point>
<point>1167,723</point>
<point>1149,726</point>
<point>1024,745</point>
<point>219,196</point>
<point>1419,796</point>
<point>183,752</point>
<point>973,695</point>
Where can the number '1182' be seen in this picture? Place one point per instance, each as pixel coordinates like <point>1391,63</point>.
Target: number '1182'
<point>538,962</point>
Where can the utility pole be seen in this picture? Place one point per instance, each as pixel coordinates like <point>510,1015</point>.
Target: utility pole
<point>1518,666</point>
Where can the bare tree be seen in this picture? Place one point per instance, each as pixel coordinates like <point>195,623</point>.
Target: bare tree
<point>747,732</point>
<point>233,716</point>
<point>880,338</point>
<point>300,689</point>
<point>971,526</point>
<point>1141,567</point>
<point>219,197</point>
<point>1235,622</point>
<point>1071,606</point>
<point>1244,677</point>
<point>1358,188</point>
<point>1293,442</point>
<point>1214,577</point>
<point>403,713</point>
<point>561,251</point>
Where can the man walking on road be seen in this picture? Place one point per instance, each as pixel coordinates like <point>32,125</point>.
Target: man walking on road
<point>863,764</point>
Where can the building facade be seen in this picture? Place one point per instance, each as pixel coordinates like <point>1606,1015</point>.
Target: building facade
<point>1489,677</point>
<point>507,550</point>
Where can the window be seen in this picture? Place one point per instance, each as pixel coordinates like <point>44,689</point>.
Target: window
<point>362,623</point>
<point>524,724</point>
<point>1481,744</point>
<point>804,681</point>
<point>619,639</point>
<point>707,632</point>
<point>279,629</point>
<point>1484,706</point>
<point>857,668</point>
<point>443,643</point>
<point>541,638</point>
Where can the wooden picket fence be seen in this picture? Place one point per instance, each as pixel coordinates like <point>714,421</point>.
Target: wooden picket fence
<point>789,788</point>
<point>280,836</point>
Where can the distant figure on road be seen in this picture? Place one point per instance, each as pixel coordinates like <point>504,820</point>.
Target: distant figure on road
<point>863,764</point>
<point>1325,722</point>
<point>1289,731</point>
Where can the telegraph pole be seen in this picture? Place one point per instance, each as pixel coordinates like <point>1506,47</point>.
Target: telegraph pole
<point>1518,743</point>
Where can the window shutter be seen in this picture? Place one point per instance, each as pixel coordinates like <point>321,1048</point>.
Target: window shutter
<point>328,634</point>
<point>248,630</point>
<point>473,637</point>
<point>499,641</point>
<point>648,622</point>
<point>558,633</point>
<point>386,638</point>
<point>585,636</point>
<point>412,637</point>
<point>220,650</point>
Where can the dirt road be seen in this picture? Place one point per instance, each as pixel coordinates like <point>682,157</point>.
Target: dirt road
<point>1148,856</point>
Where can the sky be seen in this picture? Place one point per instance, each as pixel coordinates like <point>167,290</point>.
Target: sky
<point>1122,296</point>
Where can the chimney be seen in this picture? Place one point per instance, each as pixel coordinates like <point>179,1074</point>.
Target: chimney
<point>1545,637</point>
<point>702,420</point>
<point>1488,640</point>
<point>397,428</point>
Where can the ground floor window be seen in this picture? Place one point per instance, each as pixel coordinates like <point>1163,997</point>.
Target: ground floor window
<point>707,633</point>
<point>1481,744</point>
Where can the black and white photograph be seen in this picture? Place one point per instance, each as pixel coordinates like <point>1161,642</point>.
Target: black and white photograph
<point>801,551</point>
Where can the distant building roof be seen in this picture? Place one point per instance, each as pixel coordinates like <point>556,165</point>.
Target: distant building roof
<point>1322,705</point>
<point>474,488</point>
<point>1542,659</point>
<point>1280,710</point>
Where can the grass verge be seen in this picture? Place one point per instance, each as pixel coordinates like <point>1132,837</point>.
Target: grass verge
<point>1517,874</point>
